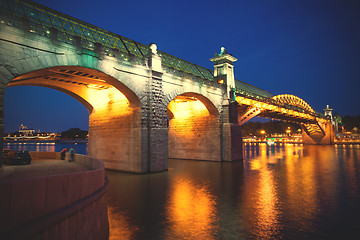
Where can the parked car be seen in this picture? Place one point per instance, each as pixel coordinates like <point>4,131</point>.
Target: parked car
<point>16,157</point>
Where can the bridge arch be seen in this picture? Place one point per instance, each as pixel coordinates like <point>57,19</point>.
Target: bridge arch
<point>104,68</point>
<point>194,130</point>
<point>214,105</point>
<point>292,100</point>
<point>80,99</point>
<point>114,111</point>
<point>283,107</point>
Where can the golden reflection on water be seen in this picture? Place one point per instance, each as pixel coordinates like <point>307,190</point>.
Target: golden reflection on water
<point>351,155</point>
<point>191,211</point>
<point>261,196</point>
<point>32,146</point>
<point>287,184</point>
<point>266,205</point>
<point>281,192</point>
<point>301,187</point>
<point>119,226</point>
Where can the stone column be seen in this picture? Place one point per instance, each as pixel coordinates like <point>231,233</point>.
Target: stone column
<point>154,132</point>
<point>231,133</point>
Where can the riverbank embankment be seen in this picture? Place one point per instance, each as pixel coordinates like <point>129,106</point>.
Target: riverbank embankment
<point>54,199</point>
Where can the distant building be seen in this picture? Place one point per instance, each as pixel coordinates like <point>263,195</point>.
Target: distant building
<point>25,131</point>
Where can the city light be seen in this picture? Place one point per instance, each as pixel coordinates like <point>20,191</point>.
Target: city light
<point>288,131</point>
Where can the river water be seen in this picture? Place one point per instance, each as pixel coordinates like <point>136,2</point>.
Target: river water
<point>43,146</point>
<point>278,192</point>
<point>284,191</point>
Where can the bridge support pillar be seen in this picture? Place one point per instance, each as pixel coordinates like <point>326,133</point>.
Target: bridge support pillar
<point>154,130</point>
<point>231,133</point>
<point>327,139</point>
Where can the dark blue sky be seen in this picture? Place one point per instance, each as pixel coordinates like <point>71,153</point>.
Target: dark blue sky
<point>307,48</point>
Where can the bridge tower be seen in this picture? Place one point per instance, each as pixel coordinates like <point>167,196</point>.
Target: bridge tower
<point>328,112</point>
<point>231,134</point>
<point>224,71</point>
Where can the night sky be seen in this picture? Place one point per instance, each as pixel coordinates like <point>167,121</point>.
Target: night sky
<point>308,48</point>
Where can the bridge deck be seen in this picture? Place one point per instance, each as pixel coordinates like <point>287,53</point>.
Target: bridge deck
<point>41,20</point>
<point>39,168</point>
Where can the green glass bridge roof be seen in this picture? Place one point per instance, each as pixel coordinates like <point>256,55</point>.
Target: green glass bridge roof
<point>45,19</point>
<point>251,91</point>
<point>42,20</point>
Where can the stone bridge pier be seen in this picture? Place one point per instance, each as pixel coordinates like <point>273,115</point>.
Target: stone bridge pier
<point>320,133</point>
<point>140,112</point>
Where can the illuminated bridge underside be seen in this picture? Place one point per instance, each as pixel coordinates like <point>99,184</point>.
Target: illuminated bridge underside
<point>114,119</point>
<point>283,107</point>
<point>278,107</point>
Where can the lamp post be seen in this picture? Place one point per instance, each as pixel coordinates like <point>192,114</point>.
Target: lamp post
<point>288,131</point>
<point>262,132</point>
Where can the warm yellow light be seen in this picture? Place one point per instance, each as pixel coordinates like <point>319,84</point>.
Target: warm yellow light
<point>191,124</point>
<point>274,108</point>
<point>110,99</point>
<point>184,108</point>
<point>221,81</point>
<point>120,226</point>
<point>191,210</point>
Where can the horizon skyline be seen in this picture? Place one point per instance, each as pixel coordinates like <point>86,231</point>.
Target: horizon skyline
<point>313,44</point>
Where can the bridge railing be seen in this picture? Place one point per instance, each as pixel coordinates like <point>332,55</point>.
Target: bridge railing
<point>43,21</point>
<point>177,65</point>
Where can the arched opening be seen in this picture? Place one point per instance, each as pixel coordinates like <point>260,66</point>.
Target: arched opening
<point>35,115</point>
<point>114,111</point>
<point>194,131</point>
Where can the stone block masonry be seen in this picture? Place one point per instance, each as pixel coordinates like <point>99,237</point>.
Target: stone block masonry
<point>127,98</point>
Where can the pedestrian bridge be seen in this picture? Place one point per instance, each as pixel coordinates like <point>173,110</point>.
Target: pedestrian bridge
<point>144,105</point>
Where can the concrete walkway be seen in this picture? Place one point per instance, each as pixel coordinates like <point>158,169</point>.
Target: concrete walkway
<point>37,168</point>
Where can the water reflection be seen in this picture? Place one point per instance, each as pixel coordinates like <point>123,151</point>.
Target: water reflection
<point>282,191</point>
<point>191,210</point>
<point>119,225</point>
<point>260,192</point>
<point>33,146</point>
<point>43,146</point>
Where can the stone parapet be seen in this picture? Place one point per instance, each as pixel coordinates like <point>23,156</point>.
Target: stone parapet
<point>66,206</point>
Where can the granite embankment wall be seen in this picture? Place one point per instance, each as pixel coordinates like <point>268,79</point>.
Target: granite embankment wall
<point>67,206</point>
